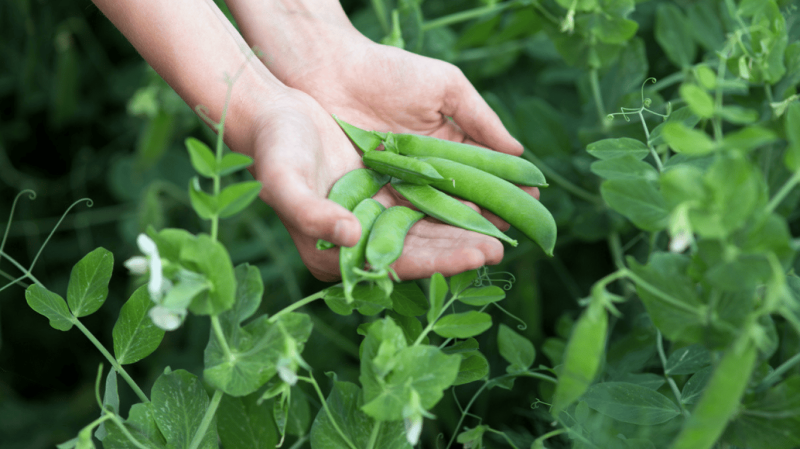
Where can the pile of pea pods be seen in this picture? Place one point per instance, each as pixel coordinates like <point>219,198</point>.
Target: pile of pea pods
<point>426,171</point>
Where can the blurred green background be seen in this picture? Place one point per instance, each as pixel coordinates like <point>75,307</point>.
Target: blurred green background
<point>83,116</point>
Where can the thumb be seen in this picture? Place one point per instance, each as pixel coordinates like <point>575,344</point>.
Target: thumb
<point>312,216</point>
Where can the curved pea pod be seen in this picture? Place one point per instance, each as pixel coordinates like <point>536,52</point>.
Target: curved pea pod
<point>506,200</point>
<point>582,357</point>
<point>449,210</point>
<point>351,189</point>
<point>353,257</point>
<point>402,167</point>
<point>511,168</point>
<point>366,141</point>
<point>721,398</point>
<point>385,244</point>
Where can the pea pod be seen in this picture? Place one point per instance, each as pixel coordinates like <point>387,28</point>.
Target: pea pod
<point>401,167</point>
<point>445,208</point>
<point>385,244</point>
<point>506,200</point>
<point>511,168</point>
<point>366,141</point>
<point>351,189</point>
<point>353,257</point>
<point>720,401</point>
<point>581,357</point>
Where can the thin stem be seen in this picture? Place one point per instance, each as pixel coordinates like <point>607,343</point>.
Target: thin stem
<point>223,342</point>
<point>88,203</point>
<point>463,16</point>
<point>507,438</point>
<point>552,434</point>
<point>663,296</point>
<point>617,253</point>
<point>430,325</point>
<point>464,413</point>
<point>125,431</point>
<point>663,356</point>
<point>24,270</point>
<point>774,376</point>
<point>598,97</point>
<point>562,181</point>
<point>310,379</point>
<point>117,367</point>
<point>668,81</point>
<point>373,438</point>
<point>31,195</point>
<point>297,305</point>
<point>539,376</point>
<point>207,418</point>
<point>785,189</point>
<point>17,280</point>
<point>300,442</point>
<point>653,152</point>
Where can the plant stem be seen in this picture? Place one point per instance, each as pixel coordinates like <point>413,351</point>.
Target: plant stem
<point>373,438</point>
<point>24,270</point>
<point>207,418</point>
<point>310,379</point>
<point>299,443</point>
<point>665,297</point>
<point>562,181</point>
<point>653,152</point>
<point>668,81</point>
<point>539,376</point>
<point>615,244</point>
<point>785,189</point>
<point>466,410</point>
<point>297,305</point>
<point>125,431</point>
<point>466,15</point>
<point>117,367</point>
<point>430,325</point>
<point>674,387</point>
<point>598,98</point>
<point>13,279</point>
<point>774,376</point>
<point>221,337</point>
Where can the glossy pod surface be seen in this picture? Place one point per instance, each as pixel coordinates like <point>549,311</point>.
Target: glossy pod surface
<point>449,210</point>
<point>506,200</point>
<point>351,189</point>
<point>366,141</point>
<point>367,212</point>
<point>385,244</point>
<point>511,168</point>
<point>402,167</point>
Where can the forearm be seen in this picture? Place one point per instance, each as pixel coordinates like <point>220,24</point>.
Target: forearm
<point>193,47</point>
<point>293,33</point>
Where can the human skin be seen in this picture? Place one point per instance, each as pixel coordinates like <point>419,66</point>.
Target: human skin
<point>299,150</point>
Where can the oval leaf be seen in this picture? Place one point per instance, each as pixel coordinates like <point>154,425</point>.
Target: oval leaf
<point>463,325</point>
<point>630,403</point>
<point>233,162</point>
<point>49,304</point>
<point>135,335</point>
<point>611,148</point>
<point>203,159</point>
<point>436,294</point>
<point>482,295</point>
<point>515,348</point>
<point>234,198</point>
<point>88,282</point>
<point>204,204</point>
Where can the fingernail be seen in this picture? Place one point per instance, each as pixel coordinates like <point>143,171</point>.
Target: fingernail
<point>342,231</point>
<point>518,142</point>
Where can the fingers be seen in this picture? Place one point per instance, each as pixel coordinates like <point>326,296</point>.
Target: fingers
<point>471,112</point>
<point>304,211</point>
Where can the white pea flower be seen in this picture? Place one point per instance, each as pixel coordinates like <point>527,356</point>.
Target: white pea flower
<point>413,414</point>
<point>156,285</point>
<point>680,229</point>
<point>287,370</point>
<point>413,427</point>
<point>136,265</point>
<point>167,319</point>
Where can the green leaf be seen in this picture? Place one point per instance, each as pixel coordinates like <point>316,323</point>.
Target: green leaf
<point>244,424</point>
<point>436,294</point>
<point>462,281</point>
<point>408,299</point>
<point>203,160</point>
<point>624,167</point>
<point>411,326</point>
<point>344,403</point>
<point>699,101</point>
<point>683,116</point>
<point>694,387</point>
<point>110,402</point>
<point>792,126</point>
<point>623,146</point>
<point>141,424</point>
<point>135,335</point>
<point>772,420</point>
<point>706,25</point>
<point>515,348</point>
<point>686,140</point>
<point>670,296</point>
<point>88,282</point>
<point>674,35</point>
<point>209,257</point>
<point>482,296</point>
<point>234,198</point>
<point>687,360</point>
<point>582,357</point>
<point>738,115</point>
<point>204,204</point>
<point>49,304</point>
<point>474,367</point>
<point>638,200</point>
<point>631,403</point>
<point>614,30</point>
<point>746,271</point>
<point>647,380</point>
<point>464,347</point>
<point>179,403</point>
<point>749,138</point>
<point>473,438</point>
<point>233,162</point>
<point>463,325</point>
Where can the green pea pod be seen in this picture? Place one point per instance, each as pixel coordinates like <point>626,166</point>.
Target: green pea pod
<point>511,168</point>
<point>366,141</point>
<point>353,257</point>
<point>721,398</point>
<point>449,210</point>
<point>582,357</point>
<point>351,189</point>
<point>385,244</point>
<point>506,200</point>
<point>401,167</point>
